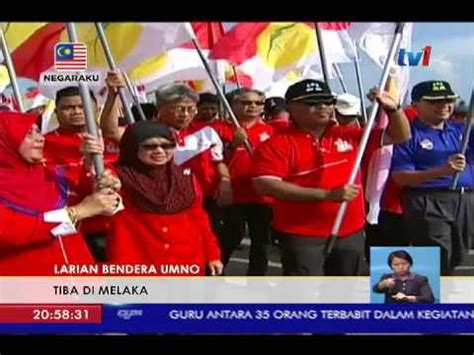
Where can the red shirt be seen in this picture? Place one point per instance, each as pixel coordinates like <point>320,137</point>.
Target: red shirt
<point>141,237</point>
<point>28,248</point>
<point>240,163</point>
<point>390,200</point>
<point>297,157</point>
<point>63,149</point>
<point>200,149</point>
<point>280,125</point>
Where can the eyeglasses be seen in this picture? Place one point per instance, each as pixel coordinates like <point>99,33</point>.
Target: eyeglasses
<point>319,103</point>
<point>184,110</point>
<point>153,146</point>
<point>250,102</point>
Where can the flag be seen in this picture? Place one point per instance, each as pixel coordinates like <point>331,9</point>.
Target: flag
<point>279,88</point>
<point>375,38</point>
<point>140,93</point>
<point>183,63</point>
<point>378,170</point>
<point>70,57</point>
<point>4,78</point>
<point>267,51</point>
<point>32,46</point>
<point>132,44</point>
<point>8,102</point>
<point>33,99</point>
<point>49,120</point>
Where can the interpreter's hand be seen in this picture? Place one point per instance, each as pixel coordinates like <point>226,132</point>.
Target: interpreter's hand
<point>400,296</point>
<point>239,136</point>
<point>103,202</point>
<point>107,180</point>
<point>215,267</point>
<point>224,193</point>
<point>345,193</point>
<point>91,145</point>
<point>387,283</point>
<point>455,163</point>
<point>385,100</point>
<point>114,81</point>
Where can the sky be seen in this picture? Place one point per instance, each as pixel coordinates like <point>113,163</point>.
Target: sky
<point>452,59</point>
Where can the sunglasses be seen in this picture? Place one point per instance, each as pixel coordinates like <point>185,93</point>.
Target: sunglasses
<point>444,101</point>
<point>250,102</point>
<point>318,103</point>
<point>153,146</point>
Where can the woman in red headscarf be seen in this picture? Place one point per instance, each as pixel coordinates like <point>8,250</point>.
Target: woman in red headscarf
<point>36,227</point>
<point>163,223</point>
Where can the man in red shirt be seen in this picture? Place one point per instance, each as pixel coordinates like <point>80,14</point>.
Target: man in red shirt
<point>306,170</point>
<point>199,147</point>
<point>208,108</point>
<point>62,148</point>
<point>62,145</point>
<point>248,207</point>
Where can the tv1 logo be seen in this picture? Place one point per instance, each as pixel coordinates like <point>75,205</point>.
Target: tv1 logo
<point>414,58</point>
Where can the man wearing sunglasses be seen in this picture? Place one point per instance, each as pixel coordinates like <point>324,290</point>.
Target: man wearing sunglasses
<point>248,207</point>
<point>425,166</point>
<point>306,170</point>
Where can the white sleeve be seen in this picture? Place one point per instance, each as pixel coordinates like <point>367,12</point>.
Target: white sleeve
<point>217,150</point>
<point>60,216</point>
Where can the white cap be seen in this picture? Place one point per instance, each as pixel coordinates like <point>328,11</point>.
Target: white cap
<point>348,105</point>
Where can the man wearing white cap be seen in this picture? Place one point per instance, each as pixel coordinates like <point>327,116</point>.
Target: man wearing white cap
<point>348,110</point>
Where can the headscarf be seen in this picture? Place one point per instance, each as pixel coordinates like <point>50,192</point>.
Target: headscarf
<point>164,189</point>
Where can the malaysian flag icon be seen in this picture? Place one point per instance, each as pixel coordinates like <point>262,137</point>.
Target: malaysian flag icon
<point>70,57</point>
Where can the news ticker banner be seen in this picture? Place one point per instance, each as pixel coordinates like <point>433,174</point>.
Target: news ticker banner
<point>207,290</point>
<point>238,319</point>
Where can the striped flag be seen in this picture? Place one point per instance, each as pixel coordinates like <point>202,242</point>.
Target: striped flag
<point>70,57</point>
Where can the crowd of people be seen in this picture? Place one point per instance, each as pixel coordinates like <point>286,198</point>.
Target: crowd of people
<point>187,185</point>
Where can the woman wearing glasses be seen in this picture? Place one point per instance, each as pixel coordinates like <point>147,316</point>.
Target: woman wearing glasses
<point>198,146</point>
<point>163,223</point>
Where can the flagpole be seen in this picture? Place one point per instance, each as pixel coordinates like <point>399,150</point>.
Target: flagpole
<point>135,97</point>
<point>322,54</point>
<point>236,77</point>
<point>221,105</point>
<point>340,77</point>
<point>11,70</point>
<point>359,83</point>
<point>364,140</point>
<point>111,62</point>
<point>222,80</point>
<point>86,101</point>
<point>465,137</point>
<point>219,92</point>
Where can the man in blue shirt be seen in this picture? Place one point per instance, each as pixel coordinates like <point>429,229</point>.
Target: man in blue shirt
<point>426,165</point>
